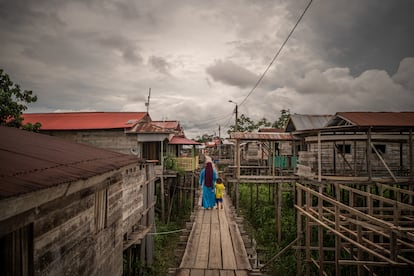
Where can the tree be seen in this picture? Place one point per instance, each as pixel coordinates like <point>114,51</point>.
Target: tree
<point>204,138</point>
<point>283,119</point>
<point>244,123</point>
<point>13,102</point>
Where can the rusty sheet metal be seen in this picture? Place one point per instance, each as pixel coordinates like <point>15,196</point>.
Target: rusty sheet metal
<point>157,127</point>
<point>176,140</point>
<point>148,127</point>
<point>31,161</point>
<point>173,125</point>
<point>85,120</point>
<point>379,119</point>
<point>261,136</point>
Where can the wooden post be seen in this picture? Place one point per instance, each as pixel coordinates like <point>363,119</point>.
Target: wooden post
<point>238,174</point>
<point>355,158</point>
<point>299,232</point>
<point>337,228</point>
<point>273,157</point>
<point>410,147</point>
<point>251,197</point>
<point>162,184</point>
<point>320,232</point>
<point>368,147</point>
<point>319,158</point>
<point>308,233</point>
<point>279,213</point>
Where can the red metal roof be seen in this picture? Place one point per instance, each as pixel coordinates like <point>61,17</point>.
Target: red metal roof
<point>176,140</point>
<point>383,119</point>
<point>31,161</point>
<point>85,120</point>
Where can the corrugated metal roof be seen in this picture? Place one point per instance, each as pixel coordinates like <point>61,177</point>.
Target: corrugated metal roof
<point>157,127</point>
<point>271,129</point>
<point>261,136</point>
<point>376,119</point>
<point>298,122</point>
<point>85,120</point>
<point>174,125</point>
<point>31,161</point>
<point>177,140</point>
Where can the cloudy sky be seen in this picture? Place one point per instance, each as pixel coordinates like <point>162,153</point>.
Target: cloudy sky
<point>196,55</point>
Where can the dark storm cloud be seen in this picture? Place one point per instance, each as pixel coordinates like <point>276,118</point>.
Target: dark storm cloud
<point>232,74</point>
<point>195,55</point>
<point>19,14</point>
<point>119,43</point>
<point>363,35</point>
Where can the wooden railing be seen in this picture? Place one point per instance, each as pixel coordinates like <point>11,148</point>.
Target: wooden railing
<point>187,163</point>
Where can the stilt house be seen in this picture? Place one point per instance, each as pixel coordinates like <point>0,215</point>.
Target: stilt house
<point>71,209</point>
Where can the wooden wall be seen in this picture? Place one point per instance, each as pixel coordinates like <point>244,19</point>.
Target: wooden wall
<point>80,232</point>
<point>396,157</point>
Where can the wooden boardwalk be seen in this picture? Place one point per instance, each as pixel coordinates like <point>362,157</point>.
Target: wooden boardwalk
<point>215,246</point>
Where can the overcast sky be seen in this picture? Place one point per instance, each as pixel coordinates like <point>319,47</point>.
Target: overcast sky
<point>104,55</point>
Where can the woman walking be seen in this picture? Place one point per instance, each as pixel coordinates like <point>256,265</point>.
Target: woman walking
<point>207,181</point>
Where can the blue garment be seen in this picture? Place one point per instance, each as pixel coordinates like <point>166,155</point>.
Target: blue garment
<point>209,196</point>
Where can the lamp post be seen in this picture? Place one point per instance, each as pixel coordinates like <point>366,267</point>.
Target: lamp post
<point>237,162</point>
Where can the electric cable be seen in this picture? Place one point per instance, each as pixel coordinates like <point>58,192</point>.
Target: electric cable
<point>277,53</point>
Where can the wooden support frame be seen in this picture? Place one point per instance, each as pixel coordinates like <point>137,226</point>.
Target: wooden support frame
<point>356,229</point>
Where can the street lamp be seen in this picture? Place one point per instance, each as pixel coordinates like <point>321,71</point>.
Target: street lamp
<point>236,162</point>
<point>235,123</point>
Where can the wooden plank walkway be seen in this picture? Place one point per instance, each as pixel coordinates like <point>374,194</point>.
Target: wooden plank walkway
<point>215,246</point>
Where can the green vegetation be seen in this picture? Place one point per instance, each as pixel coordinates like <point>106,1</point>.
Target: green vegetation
<point>262,224</point>
<point>13,102</point>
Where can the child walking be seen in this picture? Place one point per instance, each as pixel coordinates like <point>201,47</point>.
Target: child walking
<point>219,192</point>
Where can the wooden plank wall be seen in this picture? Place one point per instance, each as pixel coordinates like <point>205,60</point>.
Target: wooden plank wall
<point>71,235</point>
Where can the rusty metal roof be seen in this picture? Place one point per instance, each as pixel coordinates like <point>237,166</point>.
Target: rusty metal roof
<point>174,125</point>
<point>271,129</point>
<point>158,127</point>
<point>299,122</point>
<point>85,120</point>
<point>177,140</point>
<point>375,119</point>
<point>31,161</point>
<point>261,136</point>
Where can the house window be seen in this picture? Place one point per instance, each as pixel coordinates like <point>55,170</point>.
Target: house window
<point>344,148</point>
<point>101,209</point>
<point>381,148</point>
<point>16,252</point>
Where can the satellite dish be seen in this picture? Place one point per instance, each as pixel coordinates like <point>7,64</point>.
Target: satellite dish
<point>134,151</point>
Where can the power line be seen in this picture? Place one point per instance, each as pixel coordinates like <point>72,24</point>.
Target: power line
<point>277,53</point>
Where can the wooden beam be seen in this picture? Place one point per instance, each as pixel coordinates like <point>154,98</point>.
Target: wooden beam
<point>359,137</point>
<point>383,162</point>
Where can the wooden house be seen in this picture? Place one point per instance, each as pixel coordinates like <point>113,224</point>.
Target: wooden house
<point>107,130</point>
<point>366,144</point>
<point>125,132</point>
<point>161,140</point>
<point>71,209</point>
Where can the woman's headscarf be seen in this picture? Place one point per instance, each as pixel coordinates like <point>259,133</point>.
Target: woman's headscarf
<point>208,175</point>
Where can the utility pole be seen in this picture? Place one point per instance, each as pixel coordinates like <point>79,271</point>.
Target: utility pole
<point>236,123</point>
<point>236,127</point>
<point>219,149</point>
<point>237,160</point>
<point>148,102</point>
